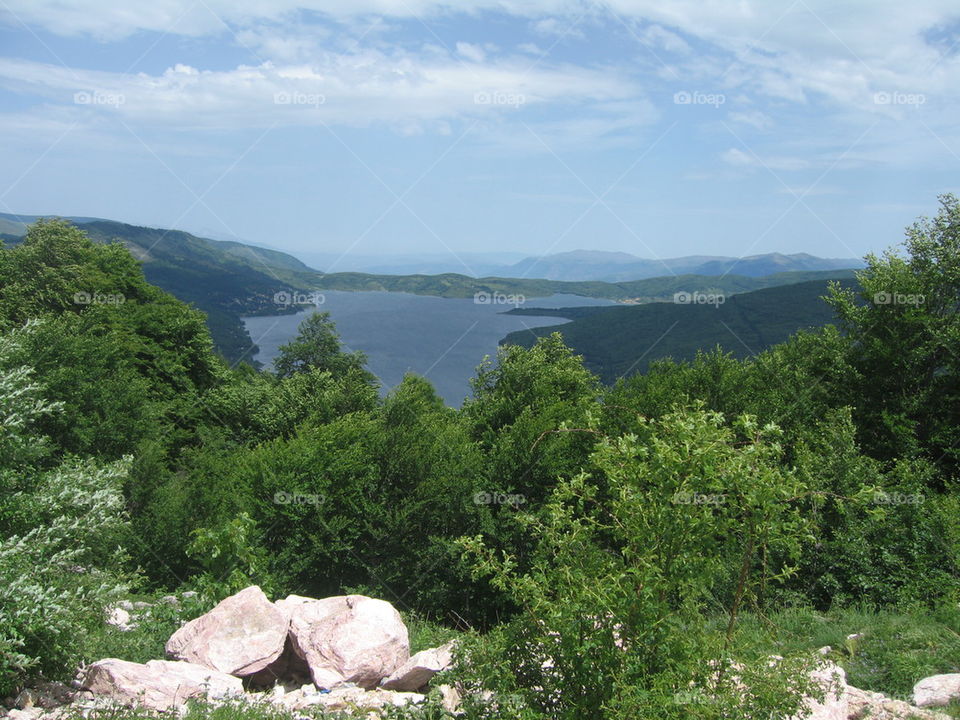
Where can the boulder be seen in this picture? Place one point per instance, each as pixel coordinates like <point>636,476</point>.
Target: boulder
<point>937,690</point>
<point>450,699</point>
<point>157,685</point>
<point>834,705</point>
<point>120,619</point>
<point>241,636</point>
<point>347,639</point>
<point>420,669</point>
<point>868,705</point>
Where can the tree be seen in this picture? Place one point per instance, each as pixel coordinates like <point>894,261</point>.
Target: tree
<point>905,333</point>
<point>616,599</point>
<point>317,347</point>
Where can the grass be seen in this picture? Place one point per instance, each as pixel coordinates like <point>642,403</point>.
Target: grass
<point>894,650</point>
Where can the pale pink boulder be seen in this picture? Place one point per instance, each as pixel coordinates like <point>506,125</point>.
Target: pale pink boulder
<point>241,636</point>
<point>347,639</point>
<point>158,684</point>
<point>420,669</point>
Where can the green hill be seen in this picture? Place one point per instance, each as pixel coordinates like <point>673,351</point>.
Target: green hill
<point>620,341</point>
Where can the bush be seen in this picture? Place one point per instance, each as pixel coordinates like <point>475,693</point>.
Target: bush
<point>613,606</point>
<point>61,536</point>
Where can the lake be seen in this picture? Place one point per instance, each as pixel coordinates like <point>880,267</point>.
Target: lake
<point>442,339</point>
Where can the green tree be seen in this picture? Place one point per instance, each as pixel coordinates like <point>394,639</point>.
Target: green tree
<point>317,347</point>
<point>616,599</point>
<point>905,333</point>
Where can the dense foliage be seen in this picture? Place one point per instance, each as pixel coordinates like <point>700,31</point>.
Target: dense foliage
<point>599,544</point>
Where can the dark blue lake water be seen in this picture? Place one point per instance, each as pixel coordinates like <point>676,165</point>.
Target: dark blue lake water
<point>442,339</point>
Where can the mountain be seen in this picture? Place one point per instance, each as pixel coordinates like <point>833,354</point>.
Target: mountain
<point>619,341</point>
<point>580,265</point>
<point>573,266</point>
<point>472,264</point>
<point>225,279</point>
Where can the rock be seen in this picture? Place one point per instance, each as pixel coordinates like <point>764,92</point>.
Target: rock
<point>867,705</point>
<point>159,684</point>
<point>450,699</point>
<point>31,713</point>
<point>834,705</point>
<point>170,600</point>
<point>45,694</point>
<point>26,699</point>
<point>241,636</point>
<point>420,669</point>
<point>288,669</point>
<point>937,690</point>
<point>189,595</point>
<point>348,697</point>
<point>347,639</point>
<point>120,618</point>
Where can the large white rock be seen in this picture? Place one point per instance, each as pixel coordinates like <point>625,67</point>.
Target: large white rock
<point>868,705</point>
<point>159,684</point>
<point>937,690</point>
<point>241,636</point>
<point>420,669</point>
<point>347,639</point>
<point>834,705</point>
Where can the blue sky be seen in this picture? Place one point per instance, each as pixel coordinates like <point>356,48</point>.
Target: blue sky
<point>413,126</point>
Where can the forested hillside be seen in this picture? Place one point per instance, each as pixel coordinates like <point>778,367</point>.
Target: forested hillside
<point>619,341</point>
<point>598,552</point>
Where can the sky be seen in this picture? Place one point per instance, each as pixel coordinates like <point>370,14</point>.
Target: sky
<point>376,127</point>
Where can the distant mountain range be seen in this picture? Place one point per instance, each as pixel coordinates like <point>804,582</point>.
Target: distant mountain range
<point>618,266</point>
<point>228,279</point>
<point>577,265</point>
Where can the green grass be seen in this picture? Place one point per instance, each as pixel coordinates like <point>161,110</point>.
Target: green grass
<point>426,634</point>
<point>897,648</point>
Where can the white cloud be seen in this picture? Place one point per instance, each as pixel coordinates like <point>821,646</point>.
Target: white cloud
<point>739,158</point>
<point>754,118</point>
<point>471,52</point>
<point>368,87</point>
<point>558,27</point>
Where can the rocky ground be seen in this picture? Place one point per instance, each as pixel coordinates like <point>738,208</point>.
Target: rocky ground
<point>346,653</point>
